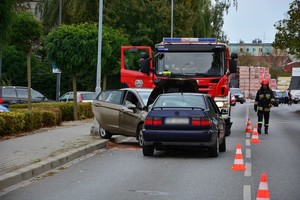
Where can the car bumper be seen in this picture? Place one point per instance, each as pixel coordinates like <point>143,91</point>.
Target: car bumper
<point>179,137</point>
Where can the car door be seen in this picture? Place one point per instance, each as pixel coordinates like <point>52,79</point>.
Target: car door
<point>129,118</point>
<point>106,108</point>
<point>215,113</point>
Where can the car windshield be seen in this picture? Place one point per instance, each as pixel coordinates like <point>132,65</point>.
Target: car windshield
<point>144,95</point>
<point>88,96</point>
<point>201,64</point>
<point>180,101</point>
<point>281,94</point>
<point>235,91</point>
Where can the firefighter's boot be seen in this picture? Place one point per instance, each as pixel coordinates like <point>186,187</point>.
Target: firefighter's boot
<point>266,130</point>
<point>259,128</point>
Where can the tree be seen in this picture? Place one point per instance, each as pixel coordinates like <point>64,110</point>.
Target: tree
<point>5,19</point>
<point>288,30</point>
<point>74,49</point>
<point>26,34</point>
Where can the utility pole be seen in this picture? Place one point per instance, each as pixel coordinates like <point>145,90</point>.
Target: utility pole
<point>98,75</point>
<point>58,75</point>
<point>172,14</point>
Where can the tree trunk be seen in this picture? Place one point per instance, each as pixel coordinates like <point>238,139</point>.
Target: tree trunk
<point>104,82</point>
<point>29,78</point>
<point>75,105</point>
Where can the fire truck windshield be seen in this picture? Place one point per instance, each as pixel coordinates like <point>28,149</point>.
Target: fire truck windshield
<point>203,64</point>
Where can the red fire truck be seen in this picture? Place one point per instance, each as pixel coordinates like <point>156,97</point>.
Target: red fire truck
<point>202,59</point>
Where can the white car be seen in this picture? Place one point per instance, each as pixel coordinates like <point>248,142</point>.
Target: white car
<point>82,96</point>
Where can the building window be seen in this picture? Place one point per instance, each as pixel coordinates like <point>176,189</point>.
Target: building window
<point>254,49</point>
<point>247,50</point>
<point>260,50</point>
<point>241,50</point>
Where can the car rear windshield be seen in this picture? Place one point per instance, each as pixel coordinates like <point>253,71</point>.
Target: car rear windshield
<point>193,101</point>
<point>235,90</point>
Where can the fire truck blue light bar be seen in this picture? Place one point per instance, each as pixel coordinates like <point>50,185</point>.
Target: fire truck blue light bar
<point>204,40</point>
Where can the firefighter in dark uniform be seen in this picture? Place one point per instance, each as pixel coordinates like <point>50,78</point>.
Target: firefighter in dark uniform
<point>263,103</point>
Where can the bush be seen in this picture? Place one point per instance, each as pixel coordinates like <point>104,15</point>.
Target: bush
<point>20,119</point>
<point>14,122</point>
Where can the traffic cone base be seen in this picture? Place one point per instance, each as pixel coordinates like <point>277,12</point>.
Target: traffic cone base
<point>238,164</point>
<point>263,190</point>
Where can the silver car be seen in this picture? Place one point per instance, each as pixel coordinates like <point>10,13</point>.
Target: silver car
<point>121,112</point>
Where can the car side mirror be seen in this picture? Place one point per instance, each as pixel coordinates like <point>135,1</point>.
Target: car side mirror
<point>145,66</point>
<point>132,107</point>
<point>233,63</point>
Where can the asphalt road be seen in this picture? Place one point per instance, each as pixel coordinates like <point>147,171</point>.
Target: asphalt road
<point>122,172</point>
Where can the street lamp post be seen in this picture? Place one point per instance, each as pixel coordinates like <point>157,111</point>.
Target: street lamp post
<point>58,75</point>
<point>98,82</point>
<point>172,14</point>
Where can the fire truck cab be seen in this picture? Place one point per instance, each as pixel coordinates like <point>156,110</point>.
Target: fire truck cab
<point>202,59</point>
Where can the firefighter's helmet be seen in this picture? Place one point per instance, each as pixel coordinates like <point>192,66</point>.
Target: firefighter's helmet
<point>144,55</point>
<point>265,82</point>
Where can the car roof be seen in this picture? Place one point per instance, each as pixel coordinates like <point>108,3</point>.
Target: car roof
<point>138,89</point>
<point>183,93</point>
<point>19,87</point>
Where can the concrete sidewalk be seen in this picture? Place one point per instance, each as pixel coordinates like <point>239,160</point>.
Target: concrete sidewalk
<point>25,157</point>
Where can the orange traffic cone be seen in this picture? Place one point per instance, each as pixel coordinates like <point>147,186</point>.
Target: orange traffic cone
<point>263,190</point>
<point>238,159</point>
<point>255,138</point>
<point>248,128</point>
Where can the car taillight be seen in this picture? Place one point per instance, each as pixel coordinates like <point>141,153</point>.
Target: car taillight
<point>153,121</point>
<point>200,121</point>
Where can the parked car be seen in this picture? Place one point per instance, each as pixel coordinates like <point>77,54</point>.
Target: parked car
<point>121,112</point>
<point>82,96</point>
<point>19,94</point>
<point>282,96</point>
<point>276,97</point>
<point>238,94</point>
<point>184,119</point>
<point>232,100</point>
<point>296,98</point>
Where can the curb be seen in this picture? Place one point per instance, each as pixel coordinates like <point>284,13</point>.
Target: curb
<point>36,169</point>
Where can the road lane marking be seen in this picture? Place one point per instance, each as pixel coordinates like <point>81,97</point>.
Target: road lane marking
<point>248,170</point>
<point>248,135</point>
<point>248,153</point>
<point>247,192</point>
<point>248,142</point>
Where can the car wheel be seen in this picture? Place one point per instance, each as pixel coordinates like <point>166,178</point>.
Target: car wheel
<point>140,136</point>
<point>104,134</point>
<point>148,150</point>
<point>214,151</point>
<point>242,102</point>
<point>223,145</point>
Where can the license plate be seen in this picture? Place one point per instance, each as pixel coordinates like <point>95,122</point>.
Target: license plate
<point>172,120</point>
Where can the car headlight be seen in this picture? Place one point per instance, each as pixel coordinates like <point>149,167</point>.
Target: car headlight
<point>220,104</point>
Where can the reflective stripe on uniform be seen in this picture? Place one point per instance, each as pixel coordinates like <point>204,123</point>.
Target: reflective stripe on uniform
<point>260,108</point>
<point>267,109</point>
<point>260,122</point>
<point>266,124</point>
<point>268,96</point>
<point>261,96</point>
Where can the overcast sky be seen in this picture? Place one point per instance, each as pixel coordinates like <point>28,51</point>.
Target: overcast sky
<point>255,19</point>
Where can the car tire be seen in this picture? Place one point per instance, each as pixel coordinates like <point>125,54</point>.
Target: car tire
<point>139,136</point>
<point>214,151</point>
<point>223,145</point>
<point>242,102</point>
<point>148,150</point>
<point>104,134</point>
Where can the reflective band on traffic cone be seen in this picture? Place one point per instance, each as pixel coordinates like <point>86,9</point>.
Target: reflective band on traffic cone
<point>248,128</point>
<point>263,190</point>
<point>238,159</point>
<point>255,138</point>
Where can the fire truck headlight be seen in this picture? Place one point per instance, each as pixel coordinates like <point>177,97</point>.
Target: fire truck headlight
<point>220,104</point>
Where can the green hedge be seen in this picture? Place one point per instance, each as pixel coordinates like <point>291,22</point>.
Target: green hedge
<point>20,119</point>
